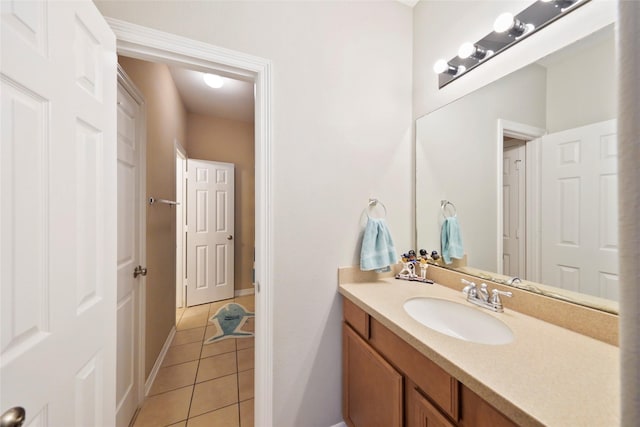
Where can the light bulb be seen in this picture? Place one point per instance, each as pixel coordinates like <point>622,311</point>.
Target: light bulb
<point>503,23</point>
<point>474,51</point>
<point>213,80</point>
<point>466,50</point>
<point>440,66</point>
<point>507,22</point>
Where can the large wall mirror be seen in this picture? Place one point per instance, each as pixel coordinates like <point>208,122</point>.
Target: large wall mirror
<point>529,162</point>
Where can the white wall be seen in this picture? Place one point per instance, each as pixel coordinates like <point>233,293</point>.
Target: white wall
<point>342,132</point>
<point>440,27</point>
<point>456,160</point>
<point>572,98</point>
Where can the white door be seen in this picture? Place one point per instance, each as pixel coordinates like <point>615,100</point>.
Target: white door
<point>579,201</point>
<point>210,239</point>
<point>130,256</point>
<point>181,226</point>
<point>58,213</point>
<point>513,199</point>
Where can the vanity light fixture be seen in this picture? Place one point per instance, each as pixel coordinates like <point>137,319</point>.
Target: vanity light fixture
<point>213,80</point>
<point>442,66</point>
<point>507,23</point>
<point>470,50</point>
<point>562,4</point>
<point>509,29</point>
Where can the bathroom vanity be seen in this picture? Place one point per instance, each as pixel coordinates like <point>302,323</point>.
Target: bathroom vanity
<point>398,372</point>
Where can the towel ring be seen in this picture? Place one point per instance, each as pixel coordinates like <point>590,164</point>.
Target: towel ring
<point>443,206</point>
<point>373,203</point>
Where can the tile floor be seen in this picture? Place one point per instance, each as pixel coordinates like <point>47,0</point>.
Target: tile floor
<point>203,384</point>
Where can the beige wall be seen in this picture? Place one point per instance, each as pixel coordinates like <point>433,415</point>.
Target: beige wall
<point>166,122</point>
<point>231,141</point>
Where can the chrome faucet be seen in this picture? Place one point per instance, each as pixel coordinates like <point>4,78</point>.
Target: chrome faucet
<point>481,298</point>
<point>513,280</point>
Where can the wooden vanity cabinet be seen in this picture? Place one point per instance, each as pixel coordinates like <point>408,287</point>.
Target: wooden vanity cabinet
<point>420,412</point>
<point>475,412</point>
<point>372,389</point>
<point>388,383</point>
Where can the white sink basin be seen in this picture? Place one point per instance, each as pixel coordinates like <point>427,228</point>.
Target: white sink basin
<point>457,320</point>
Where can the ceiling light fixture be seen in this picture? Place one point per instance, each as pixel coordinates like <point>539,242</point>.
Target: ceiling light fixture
<point>213,80</point>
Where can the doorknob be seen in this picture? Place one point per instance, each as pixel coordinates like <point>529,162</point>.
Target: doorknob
<point>13,417</point>
<point>138,271</point>
<point>229,237</point>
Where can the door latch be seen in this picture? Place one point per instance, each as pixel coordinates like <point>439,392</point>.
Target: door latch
<point>139,271</point>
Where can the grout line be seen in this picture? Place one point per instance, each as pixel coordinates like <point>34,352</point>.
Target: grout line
<point>238,383</point>
<point>237,403</point>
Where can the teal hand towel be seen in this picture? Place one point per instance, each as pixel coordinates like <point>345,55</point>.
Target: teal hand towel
<point>378,252</point>
<point>451,239</point>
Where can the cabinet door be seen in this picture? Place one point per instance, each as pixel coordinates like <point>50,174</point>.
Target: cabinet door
<point>421,413</point>
<point>372,389</point>
<point>475,412</point>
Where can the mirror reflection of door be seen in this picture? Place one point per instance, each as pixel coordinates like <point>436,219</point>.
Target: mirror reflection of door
<point>514,208</point>
<point>579,215</point>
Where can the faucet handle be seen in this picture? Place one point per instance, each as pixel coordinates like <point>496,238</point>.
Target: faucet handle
<point>470,289</point>
<point>484,292</point>
<point>495,298</point>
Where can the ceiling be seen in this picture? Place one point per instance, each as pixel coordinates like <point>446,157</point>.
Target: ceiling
<point>234,100</point>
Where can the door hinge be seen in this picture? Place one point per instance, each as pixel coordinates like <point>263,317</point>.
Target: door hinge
<point>517,162</point>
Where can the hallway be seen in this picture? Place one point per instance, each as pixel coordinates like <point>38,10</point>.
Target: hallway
<point>203,384</point>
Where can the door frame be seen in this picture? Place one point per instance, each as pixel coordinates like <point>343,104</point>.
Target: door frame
<point>529,134</point>
<point>141,132</point>
<point>152,45</point>
<point>181,222</point>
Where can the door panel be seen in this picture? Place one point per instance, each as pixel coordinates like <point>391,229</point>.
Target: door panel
<point>58,213</point>
<point>210,236</point>
<point>579,201</point>
<point>513,201</point>
<point>129,309</point>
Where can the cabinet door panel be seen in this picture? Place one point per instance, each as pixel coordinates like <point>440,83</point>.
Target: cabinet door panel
<point>475,412</point>
<point>372,389</point>
<point>441,387</point>
<point>421,413</point>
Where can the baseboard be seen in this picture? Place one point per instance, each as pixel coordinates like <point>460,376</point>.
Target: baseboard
<point>243,292</point>
<point>340,424</point>
<point>159,360</point>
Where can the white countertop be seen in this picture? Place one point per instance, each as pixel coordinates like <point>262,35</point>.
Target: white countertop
<point>547,376</point>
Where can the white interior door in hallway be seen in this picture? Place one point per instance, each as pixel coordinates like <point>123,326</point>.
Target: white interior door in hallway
<point>579,210</point>
<point>210,231</point>
<point>58,213</point>
<point>130,307</point>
